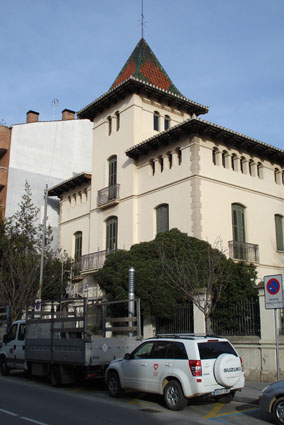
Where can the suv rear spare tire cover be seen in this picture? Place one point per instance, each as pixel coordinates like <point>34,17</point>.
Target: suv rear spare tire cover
<point>227,370</point>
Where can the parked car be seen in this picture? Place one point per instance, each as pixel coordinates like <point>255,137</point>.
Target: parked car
<point>179,367</point>
<point>271,400</point>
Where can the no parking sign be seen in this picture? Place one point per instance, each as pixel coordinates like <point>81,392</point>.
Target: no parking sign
<point>273,291</point>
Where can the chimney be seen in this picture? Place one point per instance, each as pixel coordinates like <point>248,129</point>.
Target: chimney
<point>32,116</point>
<point>67,114</point>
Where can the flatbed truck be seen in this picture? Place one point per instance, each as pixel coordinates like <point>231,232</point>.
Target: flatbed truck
<point>70,339</point>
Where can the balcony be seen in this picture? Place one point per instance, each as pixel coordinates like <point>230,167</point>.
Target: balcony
<point>108,196</point>
<point>93,261</point>
<point>244,251</point>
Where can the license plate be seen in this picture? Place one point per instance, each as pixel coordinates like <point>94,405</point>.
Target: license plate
<point>221,391</point>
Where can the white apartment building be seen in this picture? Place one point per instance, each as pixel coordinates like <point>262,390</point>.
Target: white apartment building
<point>42,153</point>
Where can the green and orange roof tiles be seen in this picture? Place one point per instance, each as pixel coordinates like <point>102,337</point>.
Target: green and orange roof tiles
<point>143,65</point>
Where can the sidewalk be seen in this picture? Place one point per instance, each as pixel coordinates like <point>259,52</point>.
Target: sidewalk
<point>250,393</point>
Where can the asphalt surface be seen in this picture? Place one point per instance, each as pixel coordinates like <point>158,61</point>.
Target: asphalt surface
<point>250,393</point>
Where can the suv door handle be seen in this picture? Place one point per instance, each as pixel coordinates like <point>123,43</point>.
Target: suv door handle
<point>168,364</point>
<point>143,364</point>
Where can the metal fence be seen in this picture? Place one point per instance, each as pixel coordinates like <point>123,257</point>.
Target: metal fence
<point>239,318</point>
<point>182,322</point>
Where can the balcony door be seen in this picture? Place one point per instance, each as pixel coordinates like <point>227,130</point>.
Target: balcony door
<point>111,234</point>
<point>112,182</point>
<point>239,232</point>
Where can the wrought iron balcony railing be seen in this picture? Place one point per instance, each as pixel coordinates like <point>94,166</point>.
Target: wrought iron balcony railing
<point>244,251</point>
<point>108,195</point>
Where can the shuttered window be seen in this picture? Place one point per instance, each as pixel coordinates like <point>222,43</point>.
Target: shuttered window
<point>111,234</point>
<point>162,215</point>
<point>112,167</point>
<point>279,232</point>
<point>78,246</point>
<point>238,221</point>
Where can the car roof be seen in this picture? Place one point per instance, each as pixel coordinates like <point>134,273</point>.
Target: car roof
<point>188,337</point>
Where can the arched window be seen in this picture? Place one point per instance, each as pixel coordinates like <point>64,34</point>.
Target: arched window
<point>242,164</point>
<point>234,159</point>
<point>252,168</point>
<point>156,121</point>
<point>170,159</point>
<point>112,182</point>
<point>111,234</point>
<point>167,122</point>
<point>214,155</point>
<point>279,232</point>
<point>161,162</point>
<point>152,164</point>
<point>109,125</point>
<point>162,218</point>
<point>117,116</point>
<point>277,176</point>
<point>259,170</point>
<point>179,155</point>
<point>78,247</point>
<point>224,159</point>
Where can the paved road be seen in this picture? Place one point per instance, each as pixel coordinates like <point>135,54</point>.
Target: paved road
<point>33,401</point>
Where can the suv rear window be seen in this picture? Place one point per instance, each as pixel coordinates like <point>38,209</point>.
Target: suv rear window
<point>213,349</point>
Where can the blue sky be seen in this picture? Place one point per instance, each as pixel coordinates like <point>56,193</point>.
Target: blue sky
<point>226,54</point>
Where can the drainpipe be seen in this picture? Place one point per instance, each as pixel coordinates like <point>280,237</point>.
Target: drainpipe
<point>131,296</point>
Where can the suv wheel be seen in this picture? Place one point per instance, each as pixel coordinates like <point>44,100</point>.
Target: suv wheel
<point>278,411</point>
<point>113,385</point>
<point>174,397</point>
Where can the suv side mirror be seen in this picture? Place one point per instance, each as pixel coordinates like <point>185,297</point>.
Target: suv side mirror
<point>127,356</point>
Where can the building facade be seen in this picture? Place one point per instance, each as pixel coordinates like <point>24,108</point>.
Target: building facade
<point>42,153</point>
<point>158,165</point>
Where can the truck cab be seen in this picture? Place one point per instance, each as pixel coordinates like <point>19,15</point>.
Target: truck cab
<point>12,354</point>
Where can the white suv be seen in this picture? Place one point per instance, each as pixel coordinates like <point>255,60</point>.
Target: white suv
<point>179,367</point>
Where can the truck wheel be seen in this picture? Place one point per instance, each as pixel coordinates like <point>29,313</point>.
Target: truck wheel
<point>55,377</point>
<point>278,411</point>
<point>113,385</point>
<point>4,368</point>
<point>174,397</point>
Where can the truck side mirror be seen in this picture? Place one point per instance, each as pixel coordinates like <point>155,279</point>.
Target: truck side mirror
<point>5,338</point>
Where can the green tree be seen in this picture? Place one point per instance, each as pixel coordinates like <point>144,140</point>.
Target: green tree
<point>172,269</point>
<point>20,250</point>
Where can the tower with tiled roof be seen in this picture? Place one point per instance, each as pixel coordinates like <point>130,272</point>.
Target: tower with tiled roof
<point>143,65</point>
<point>143,72</point>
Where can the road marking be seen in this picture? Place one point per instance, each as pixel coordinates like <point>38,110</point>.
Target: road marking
<point>22,417</point>
<point>8,413</point>
<point>32,420</point>
<point>215,410</point>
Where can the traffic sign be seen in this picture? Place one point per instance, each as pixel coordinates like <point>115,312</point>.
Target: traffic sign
<point>38,304</point>
<point>273,291</point>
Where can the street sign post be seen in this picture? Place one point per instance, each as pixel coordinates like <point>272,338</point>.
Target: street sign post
<point>273,292</point>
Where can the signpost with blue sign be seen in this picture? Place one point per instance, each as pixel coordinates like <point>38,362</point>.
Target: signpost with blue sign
<point>273,292</point>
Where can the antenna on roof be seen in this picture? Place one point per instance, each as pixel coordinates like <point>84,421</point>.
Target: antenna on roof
<point>142,19</point>
<point>54,104</point>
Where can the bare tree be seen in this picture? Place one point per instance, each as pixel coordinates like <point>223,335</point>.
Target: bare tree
<point>197,270</point>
